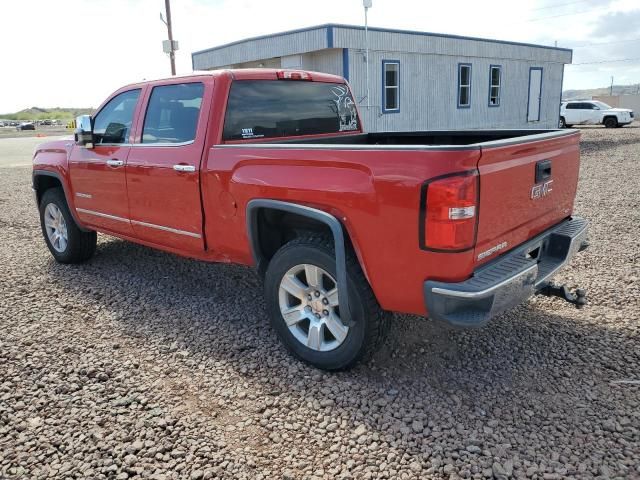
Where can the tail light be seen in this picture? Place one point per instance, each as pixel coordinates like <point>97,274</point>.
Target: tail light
<point>293,75</point>
<point>450,208</point>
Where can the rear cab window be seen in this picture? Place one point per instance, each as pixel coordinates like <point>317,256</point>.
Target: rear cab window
<point>262,109</point>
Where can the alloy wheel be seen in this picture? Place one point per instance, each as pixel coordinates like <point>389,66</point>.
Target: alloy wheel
<point>308,299</point>
<point>56,228</point>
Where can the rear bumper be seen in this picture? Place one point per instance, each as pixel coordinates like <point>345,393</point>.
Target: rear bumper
<point>508,280</point>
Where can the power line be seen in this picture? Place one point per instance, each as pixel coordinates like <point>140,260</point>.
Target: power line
<point>562,15</point>
<point>605,43</point>
<point>559,5</point>
<point>606,61</point>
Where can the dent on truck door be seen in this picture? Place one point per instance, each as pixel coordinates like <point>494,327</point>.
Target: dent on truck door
<point>163,170</point>
<point>98,174</point>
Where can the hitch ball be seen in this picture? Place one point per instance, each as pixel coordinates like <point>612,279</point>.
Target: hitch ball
<point>579,298</point>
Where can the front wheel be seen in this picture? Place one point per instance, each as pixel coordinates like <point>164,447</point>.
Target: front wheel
<point>304,308</point>
<point>66,242</point>
<point>610,122</point>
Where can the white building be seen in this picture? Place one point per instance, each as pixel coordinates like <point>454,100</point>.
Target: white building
<point>417,80</point>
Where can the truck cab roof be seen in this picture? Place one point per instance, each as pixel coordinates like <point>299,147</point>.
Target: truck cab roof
<point>247,74</point>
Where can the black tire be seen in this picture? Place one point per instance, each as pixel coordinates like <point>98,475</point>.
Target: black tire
<point>80,245</point>
<point>611,122</point>
<point>370,321</point>
<point>562,123</point>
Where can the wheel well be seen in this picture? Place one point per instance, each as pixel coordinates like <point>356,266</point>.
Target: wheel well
<point>275,228</point>
<point>42,183</point>
<point>608,117</point>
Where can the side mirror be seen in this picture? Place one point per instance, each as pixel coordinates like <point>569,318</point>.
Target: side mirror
<point>84,131</point>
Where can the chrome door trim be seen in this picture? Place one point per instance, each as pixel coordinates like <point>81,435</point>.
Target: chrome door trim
<point>166,229</point>
<point>161,144</point>
<point>112,145</point>
<point>103,215</point>
<point>137,222</point>
<point>184,168</point>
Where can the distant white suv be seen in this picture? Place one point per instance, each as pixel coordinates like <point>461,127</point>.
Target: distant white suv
<point>593,112</point>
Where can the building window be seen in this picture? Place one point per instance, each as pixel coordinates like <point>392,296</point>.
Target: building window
<point>464,85</point>
<point>390,86</point>
<point>495,85</point>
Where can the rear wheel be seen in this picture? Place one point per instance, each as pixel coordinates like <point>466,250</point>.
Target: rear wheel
<point>66,242</point>
<point>611,122</point>
<point>304,308</point>
<point>562,123</point>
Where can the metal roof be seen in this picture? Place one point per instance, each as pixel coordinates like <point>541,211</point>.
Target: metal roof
<point>330,26</point>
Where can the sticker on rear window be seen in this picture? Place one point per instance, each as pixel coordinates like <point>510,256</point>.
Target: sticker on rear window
<point>248,133</point>
<point>345,108</point>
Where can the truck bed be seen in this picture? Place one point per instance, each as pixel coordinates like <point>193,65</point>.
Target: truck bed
<point>435,138</point>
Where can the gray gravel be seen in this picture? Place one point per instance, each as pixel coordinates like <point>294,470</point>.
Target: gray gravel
<point>140,364</point>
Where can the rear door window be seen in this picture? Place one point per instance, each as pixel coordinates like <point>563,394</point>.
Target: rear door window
<point>283,108</point>
<point>172,114</point>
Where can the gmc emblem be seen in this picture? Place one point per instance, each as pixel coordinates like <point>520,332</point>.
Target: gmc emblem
<point>541,190</point>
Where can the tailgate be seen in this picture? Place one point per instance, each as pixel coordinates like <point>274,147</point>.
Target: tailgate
<point>526,186</point>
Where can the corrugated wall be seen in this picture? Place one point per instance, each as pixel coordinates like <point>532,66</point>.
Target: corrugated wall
<point>327,61</point>
<point>428,74</point>
<point>447,45</point>
<point>428,92</point>
<point>261,48</point>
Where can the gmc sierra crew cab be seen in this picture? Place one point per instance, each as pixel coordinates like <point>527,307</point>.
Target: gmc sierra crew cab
<point>272,168</point>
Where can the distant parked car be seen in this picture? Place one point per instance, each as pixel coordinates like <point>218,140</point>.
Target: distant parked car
<point>593,113</point>
<point>1,124</point>
<point>26,126</point>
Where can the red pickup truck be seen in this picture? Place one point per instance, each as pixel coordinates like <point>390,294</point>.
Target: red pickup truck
<point>271,168</point>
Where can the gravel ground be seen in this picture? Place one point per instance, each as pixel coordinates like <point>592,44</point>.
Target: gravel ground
<point>141,364</point>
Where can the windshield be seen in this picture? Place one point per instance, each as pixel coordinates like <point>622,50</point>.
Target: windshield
<point>602,105</point>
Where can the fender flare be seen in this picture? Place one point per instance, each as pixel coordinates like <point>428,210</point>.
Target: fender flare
<point>254,206</point>
<point>57,176</point>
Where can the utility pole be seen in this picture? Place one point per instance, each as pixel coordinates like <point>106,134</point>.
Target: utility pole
<point>610,89</point>
<point>172,49</point>
<point>367,6</point>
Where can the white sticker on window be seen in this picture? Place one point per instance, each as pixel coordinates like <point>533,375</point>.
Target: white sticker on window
<point>345,108</point>
<point>248,133</point>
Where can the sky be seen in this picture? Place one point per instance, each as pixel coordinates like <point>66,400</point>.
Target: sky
<point>74,53</point>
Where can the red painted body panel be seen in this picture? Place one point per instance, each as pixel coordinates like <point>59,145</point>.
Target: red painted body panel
<point>98,187</point>
<point>507,175</point>
<point>374,192</point>
<point>159,195</point>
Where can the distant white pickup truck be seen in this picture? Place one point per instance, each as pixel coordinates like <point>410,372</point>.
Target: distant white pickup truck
<point>593,112</point>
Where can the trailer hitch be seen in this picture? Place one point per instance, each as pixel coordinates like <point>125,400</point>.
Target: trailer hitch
<point>579,298</point>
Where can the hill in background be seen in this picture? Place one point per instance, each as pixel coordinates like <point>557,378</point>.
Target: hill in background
<point>592,92</point>
<point>37,113</point>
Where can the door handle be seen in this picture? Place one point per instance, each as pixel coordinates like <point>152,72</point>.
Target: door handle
<point>184,168</point>
<point>543,170</point>
<point>115,163</point>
